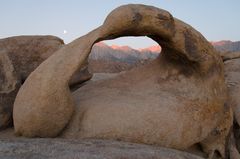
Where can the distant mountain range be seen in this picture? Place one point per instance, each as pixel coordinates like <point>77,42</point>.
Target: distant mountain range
<point>105,58</point>
<point>227,46</point>
<point>102,51</point>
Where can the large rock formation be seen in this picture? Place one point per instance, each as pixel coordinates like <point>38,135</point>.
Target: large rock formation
<point>175,101</point>
<point>232,76</point>
<point>28,52</point>
<point>19,56</point>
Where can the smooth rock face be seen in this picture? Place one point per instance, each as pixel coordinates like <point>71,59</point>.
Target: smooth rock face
<point>85,149</point>
<point>175,101</point>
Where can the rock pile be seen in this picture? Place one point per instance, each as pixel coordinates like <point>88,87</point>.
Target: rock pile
<point>19,56</point>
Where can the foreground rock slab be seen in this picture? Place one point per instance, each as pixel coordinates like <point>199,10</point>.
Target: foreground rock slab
<point>85,149</point>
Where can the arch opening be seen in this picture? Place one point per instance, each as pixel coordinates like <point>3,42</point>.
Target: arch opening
<point>122,54</point>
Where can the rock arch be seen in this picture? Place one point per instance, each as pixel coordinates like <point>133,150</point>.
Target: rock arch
<point>185,84</point>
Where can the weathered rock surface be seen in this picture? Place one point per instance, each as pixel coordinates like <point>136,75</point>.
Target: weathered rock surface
<point>233,150</point>
<point>19,56</point>
<point>230,55</point>
<point>232,76</point>
<point>82,75</point>
<point>236,132</point>
<point>85,149</point>
<point>175,101</point>
<point>9,86</point>
<point>28,52</point>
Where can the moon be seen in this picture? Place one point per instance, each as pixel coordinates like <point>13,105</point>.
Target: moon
<point>65,32</point>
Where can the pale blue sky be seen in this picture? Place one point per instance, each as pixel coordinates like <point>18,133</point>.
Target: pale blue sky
<point>215,19</point>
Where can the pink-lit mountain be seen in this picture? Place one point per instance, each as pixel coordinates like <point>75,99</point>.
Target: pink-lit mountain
<point>227,46</point>
<point>114,58</point>
<point>123,53</point>
<point>105,58</point>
